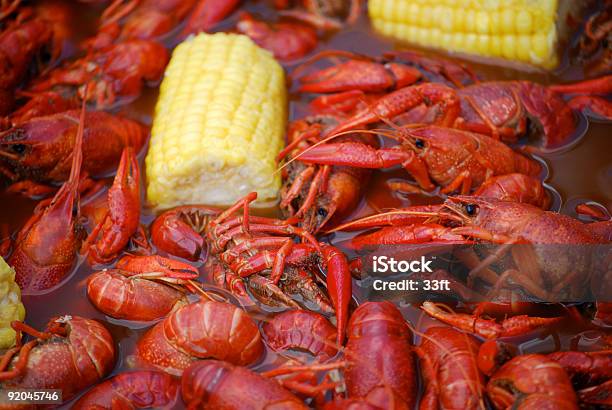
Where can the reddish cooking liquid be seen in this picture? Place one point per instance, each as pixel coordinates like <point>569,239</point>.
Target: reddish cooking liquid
<point>582,172</point>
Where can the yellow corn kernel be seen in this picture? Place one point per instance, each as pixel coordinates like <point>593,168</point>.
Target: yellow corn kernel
<point>11,307</point>
<point>523,22</point>
<point>509,46</point>
<point>219,124</point>
<point>507,21</point>
<point>480,27</point>
<point>482,22</point>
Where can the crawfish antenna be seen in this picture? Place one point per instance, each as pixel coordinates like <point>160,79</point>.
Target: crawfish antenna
<point>77,155</point>
<point>326,54</point>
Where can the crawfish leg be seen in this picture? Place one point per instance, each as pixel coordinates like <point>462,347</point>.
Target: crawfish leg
<point>279,262</point>
<point>523,281</point>
<point>318,182</point>
<point>463,180</point>
<point>298,183</point>
<point>20,364</point>
<point>300,282</point>
<point>597,105</point>
<point>268,293</point>
<point>597,395</point>
<point>470,259</point>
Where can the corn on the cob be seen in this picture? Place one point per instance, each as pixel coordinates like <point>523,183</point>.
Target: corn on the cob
<point>219,123</point>
<point>525,31</point>
<point>11,307</point>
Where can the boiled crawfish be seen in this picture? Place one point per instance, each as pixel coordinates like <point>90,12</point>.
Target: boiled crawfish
<point>137,389</point>
<point>180,231</point>
<point>323,14</point>
<point>141,287</point>
<point>122,217</point>
<point>505,110</point>
<point>244,248</point>
<point>139,19</point>
<point>20,42</point>
<point>489,328</point>
<point>589,372</point>
<point>286,40</point>
<point>448,365</point>
<point>531,381</point>
<point>39,149</point>
<point>210,384</point>
<point>381,366</point>
<point>207,14</point>
<point>319,195</point>
<point>543,234</point>
<point>362,74</point>
<point>509,187</point>
<point>46,247</point>
<point>301,330</point>
<point>434,156</point>
<point>116,73</point>
<point>72,354</point>
<point>205,329</point>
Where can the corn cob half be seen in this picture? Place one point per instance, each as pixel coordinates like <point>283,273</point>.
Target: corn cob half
<point>525,31</point>
<point>11,307</point>
<point>219,123</point>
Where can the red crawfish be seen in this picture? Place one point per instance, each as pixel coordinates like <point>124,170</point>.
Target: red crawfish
<point>448,365</point>
<point>325,15</point>
<point>139,19</point>
<point>116,73</point>
<point>39,105</point>
<point>122,217</point>
<point>489,328</point>
<point>179,231</point>
<point>201,330</point>
<point>287,40</point>
<point>207,14</point>
<point>72,354</point>
<point>393,71</point>
<point>46,247</point>
<point>261,253</point>
<point>531,381</point>
<point>381,366</point>
<point>303,331</point>
<point>510,187</point>
<point>594,42</point>
<point>589,372</point>
<point>585,368</point>
<point>434,156</point>
<point>216,384</point>
<point>141,287</point>
<point>20,41</point>
<point>319,195</point>
<point>132,390</point>
<point>39,149</point>
<point>505,110</point>
<point>550,266</point>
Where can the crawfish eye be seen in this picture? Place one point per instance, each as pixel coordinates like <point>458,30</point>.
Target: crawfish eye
<point>419,143</point>
<point>471,209</point>
<point>322,212</point>
<point>18,148</point>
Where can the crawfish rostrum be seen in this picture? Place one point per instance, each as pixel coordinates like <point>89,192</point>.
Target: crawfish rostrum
<point>243,308</point>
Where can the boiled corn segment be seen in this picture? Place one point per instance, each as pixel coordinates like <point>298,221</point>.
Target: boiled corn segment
<point>11,307</point>
<point>525,31</point>
<point>219,124</point>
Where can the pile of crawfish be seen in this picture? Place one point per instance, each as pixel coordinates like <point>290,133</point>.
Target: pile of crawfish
<point>244,311</point>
